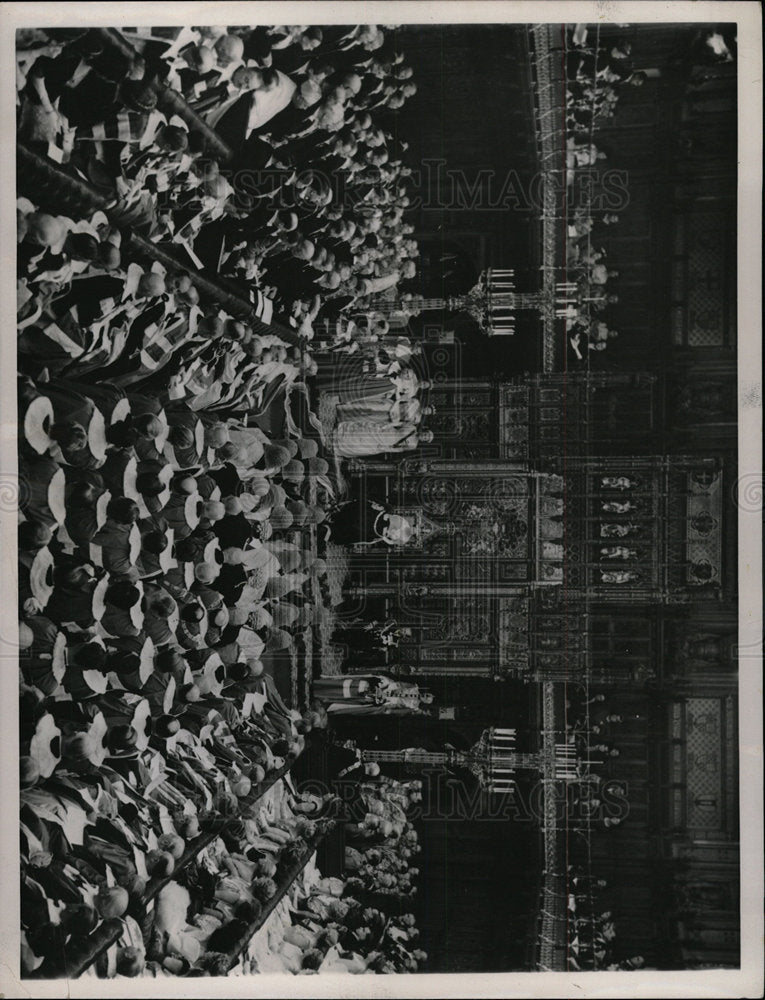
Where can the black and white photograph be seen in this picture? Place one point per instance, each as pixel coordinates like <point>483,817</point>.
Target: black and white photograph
<point>382,462</point>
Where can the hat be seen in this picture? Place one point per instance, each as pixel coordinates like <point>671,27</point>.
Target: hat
<point>275,456</point>
<point>98,603</point>
<point>308,448</point>
<point>280,519</point>
<point>191,511</point>
<point>161,439</point>
<point>165,476</point>
<point>214,510</point>
<point>165,557</point>
<point>189,574</point>
<point>288,443</point>
<point>57,496</point>
<point>294,471</point>
<point>146,660</point>
<point>238,616</point>
<point>316,515</point>
<point>278,495</point>
<point>26,636</point>
<point>141,723</point>
<point>134,543</point>
<point>97,435</point>
<point>317,466</point>
<point>278,639</point>
<point>210,551</point>
<point>129,488</point>
<point>206,572</point>
<point>219,618</point>
<point>258,485</point>
<point>299,511</point>
<point>41,576</point>
<point>284,615</point>
<point>136,611</point>
<point>199,438</point>
<point>95,681</point>
<point>45,745</point>
<point>121,411</point>
<point>261,618</point>
<point>266,531</point>
<point>38,416</point>
<point>233,506</point>
<point>101,504</point>
<point>138,95</point>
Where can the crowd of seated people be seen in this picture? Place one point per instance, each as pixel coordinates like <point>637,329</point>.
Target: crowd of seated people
<point>595,75</point>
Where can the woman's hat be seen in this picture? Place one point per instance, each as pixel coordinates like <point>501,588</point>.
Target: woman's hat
<point>129,488</point>
<point>98,602</point>
<point>205,572</point>
<point>257,486</point>
<point>294,471</point>
<point>280,519</point>
<point>141,723</point>
<point>233,506</point>
<point>165,557</point>
<point>284,615</point>
<point>38,417</point>
<point>191,510</point>
<point>238,616</point>
<point>134,544</point>
<point>45,745</point>
<point>266,531</point>
<point>261,618</point>
<point>278,639</point>
<point>219,618</point>
<point>279,495</point>
<point>26,636</point>
<point>101,504</point>
<point>199,439</point>
<point>308,448</point>
<point>317,466</point>
<point>57,496</point>
<point>165,476</point>
<point>299,511</point>
<point>41,576</point>
<point>316,515</point>
<point>136,611</point>
<point>211,550</point>
<point>161,439</point>
<point>289,444</point>
<point>82,684</point>
<point>275,456</point>
<point>97,442</point>
<point>121,411</point>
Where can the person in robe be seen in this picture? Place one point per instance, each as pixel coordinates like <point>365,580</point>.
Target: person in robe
<point>357,438</point>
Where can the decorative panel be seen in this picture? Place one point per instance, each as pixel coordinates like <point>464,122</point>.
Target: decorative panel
<point>703,756</point>
<point>706,280</point>
<point>704,540</point>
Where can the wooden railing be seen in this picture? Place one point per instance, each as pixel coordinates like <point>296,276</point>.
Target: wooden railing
<point>549,86</point>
